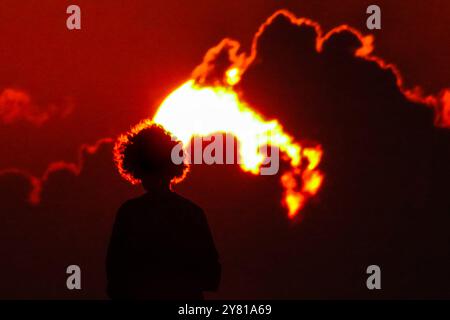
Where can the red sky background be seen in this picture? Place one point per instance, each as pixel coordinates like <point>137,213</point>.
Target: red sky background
<point>130,54</point>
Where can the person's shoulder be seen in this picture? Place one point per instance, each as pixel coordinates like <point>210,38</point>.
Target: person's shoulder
<point>190,212</point>
<point>131,204</point>
<point>188,203</point>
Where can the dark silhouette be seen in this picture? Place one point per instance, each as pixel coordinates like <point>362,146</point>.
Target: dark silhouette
<point>161,246</point>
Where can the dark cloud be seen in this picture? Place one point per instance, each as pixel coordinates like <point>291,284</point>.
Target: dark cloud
<point>70,225</point>
<point>382,199</point>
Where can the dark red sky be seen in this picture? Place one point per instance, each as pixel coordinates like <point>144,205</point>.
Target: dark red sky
<point>130,54</point>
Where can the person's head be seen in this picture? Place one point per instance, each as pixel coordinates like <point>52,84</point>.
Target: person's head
<point>144,155</point>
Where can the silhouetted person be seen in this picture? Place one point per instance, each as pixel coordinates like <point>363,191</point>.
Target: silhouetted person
<point>161,246</point>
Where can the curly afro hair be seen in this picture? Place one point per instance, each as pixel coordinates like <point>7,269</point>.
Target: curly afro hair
<point>146,150</point>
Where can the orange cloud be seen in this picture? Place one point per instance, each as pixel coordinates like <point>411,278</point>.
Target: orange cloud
<point>17,105</point>
<point>214,63</point>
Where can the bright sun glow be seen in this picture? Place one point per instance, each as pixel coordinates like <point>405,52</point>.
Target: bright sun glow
<point>193,110</point>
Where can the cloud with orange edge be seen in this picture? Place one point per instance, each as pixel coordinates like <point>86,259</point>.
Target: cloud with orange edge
<point>17,105</point>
